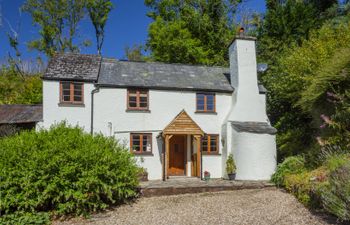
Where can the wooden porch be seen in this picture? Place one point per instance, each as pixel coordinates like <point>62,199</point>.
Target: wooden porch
<point>175,153</point>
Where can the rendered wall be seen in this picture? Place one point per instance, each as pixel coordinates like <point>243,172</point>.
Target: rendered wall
<point>74,115</point>
<point>112,119</point>
<point>255,155</point>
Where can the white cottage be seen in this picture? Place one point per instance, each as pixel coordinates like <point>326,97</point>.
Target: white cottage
<point>178,120</point>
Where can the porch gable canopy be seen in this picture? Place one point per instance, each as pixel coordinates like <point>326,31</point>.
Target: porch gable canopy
<point>183,124</point>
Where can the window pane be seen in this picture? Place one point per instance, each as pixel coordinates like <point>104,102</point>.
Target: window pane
<point>200,101</point>
<point>210,107</point>
<point>143,102</point>
<point>77,99</point>
<point>136,143</point>
<point>205,144</point>
<point>66,98</point>
<point>132,92</point>
<point>210,102</point>
<point>132,104</point>
<point>78,87</point>
<point>146,143</point>
<point>213,143</point>
<point>66,92</point>
<point>65,85</point>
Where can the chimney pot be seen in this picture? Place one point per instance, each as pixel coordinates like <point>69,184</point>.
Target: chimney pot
<point>241,32</point>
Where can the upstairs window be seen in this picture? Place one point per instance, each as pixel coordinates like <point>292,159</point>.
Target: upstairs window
<point>210,144</point>
<point>205,102</point>
<point>138,99</point>
<point>141,143</point>
<point>71,92</point>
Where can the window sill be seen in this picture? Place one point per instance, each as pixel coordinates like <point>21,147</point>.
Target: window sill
<point>138,110</point>
<point>142,154</point>
<point>211,154</point>
<point>66,104</point>
<point>206,112</point>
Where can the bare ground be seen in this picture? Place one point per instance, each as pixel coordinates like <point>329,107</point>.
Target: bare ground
<point>243,207</point>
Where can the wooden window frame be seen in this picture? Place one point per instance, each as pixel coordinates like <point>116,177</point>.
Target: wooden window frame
<point>205,110</point>
<point>141,143</point>
<point>137,108</point>
<point>71,94</point>
<point>209,150</point>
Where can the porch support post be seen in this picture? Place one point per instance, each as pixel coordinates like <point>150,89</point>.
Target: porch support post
<point>167,153</point>
<point>199,172</point>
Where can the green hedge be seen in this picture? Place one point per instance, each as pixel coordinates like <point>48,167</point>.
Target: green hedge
<point>63,171</point>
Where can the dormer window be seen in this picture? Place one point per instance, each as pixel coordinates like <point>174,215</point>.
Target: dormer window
<point>71,92</point>
<point>137,99</point>
<point>205,102</point>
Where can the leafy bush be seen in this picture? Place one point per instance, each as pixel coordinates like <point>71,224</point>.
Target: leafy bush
<point>336,193</point>
<point>300,186</point>
<point>291,165</point>
<point>63,170</point>
<point>25,218</point>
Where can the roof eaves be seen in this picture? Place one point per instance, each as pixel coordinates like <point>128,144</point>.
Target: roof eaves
<point>166,88</point>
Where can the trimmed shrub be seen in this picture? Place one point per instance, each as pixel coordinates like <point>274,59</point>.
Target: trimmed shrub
<point>63,170</point>
<point>291,165</point>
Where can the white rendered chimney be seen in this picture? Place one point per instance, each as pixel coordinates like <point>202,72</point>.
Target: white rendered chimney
<point>248,104</point>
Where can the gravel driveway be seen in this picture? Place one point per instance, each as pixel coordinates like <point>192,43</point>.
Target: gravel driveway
<point>258,206</point>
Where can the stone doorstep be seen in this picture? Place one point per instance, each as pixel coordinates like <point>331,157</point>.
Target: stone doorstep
<point>175,188</point>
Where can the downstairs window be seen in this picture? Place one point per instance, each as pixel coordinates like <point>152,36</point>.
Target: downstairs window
<point>141,143</point>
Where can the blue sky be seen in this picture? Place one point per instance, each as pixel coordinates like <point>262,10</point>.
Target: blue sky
<point>126,26</point>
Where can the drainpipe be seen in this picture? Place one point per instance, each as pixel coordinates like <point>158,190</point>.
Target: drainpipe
<point>93,92</point>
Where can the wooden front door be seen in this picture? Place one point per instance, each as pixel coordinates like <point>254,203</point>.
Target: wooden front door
<point>177,156</point>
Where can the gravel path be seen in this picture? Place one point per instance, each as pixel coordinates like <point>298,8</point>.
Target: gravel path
<point>251,207</point>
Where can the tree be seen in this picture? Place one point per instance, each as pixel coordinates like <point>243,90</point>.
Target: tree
<point>193,31</point>
<point>58,20</point>
<point>298,84</point>
<point>98,12</point>
<point>134,53</point>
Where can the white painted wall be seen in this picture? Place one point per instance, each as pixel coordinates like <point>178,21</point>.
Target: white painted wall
<point>74,115</point>
<point>255,155</point>
<point>247,103</point>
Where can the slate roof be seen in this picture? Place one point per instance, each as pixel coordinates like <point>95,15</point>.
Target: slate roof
<point>254,127</point>
<point>163,76</point>
<point>12,114</point>
<point>152,75</point>
<point>70,66</point>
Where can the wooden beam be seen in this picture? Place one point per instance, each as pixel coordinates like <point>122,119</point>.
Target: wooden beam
<point>167,152</point>
<point>198,166</point>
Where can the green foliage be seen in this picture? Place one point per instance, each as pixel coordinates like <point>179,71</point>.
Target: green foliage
<point>134,53</point>
<point>336,194</point>
<point>285,23</point>
<point>58,21</point>
<point>292,82</point>
<point>16,88</point>
<point>64,170</point>
<point>195,31</point>
<point>230,165</point>
<point>299,184</point>
<point>291,165</point>
<point>25,218</point>
<point>98,12</point>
